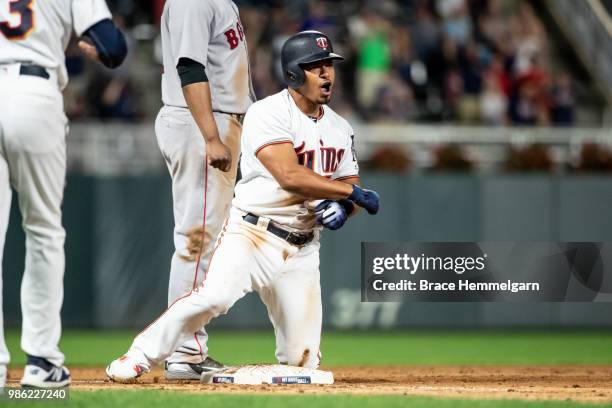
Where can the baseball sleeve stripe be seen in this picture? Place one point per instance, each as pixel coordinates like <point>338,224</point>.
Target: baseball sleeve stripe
<point>346,177</point>
<point>281,141</point>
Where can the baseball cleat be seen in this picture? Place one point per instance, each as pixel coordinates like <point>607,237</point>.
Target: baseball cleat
<point>40,373</point>
<point>125,369</point>
<point>188,371</point>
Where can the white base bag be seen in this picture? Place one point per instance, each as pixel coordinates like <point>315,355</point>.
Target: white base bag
<point>268,374</point>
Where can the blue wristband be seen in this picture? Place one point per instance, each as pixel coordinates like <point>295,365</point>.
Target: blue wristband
<point>109,42</point>
<point>348,205</point>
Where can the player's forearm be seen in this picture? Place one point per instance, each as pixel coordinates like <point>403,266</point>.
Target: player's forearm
<point>306,183</point>
<point>197,96</point>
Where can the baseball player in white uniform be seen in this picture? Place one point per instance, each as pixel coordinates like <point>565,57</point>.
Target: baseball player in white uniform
<point>299,174</point>
<point>33,126</point>
<point>206,89</point>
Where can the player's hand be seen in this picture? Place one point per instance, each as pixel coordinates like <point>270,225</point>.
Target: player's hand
<point>331,214</point>
<point>219,155</point>
<point>368,199</point>
<point>89,50</point>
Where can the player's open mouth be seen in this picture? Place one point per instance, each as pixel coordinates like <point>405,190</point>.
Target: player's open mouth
<point>326,88</point>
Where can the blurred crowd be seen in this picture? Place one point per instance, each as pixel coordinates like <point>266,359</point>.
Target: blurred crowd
<point>457,61</point>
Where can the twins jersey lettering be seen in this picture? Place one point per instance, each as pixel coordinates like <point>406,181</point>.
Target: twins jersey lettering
<point>326,146</point>
<point>38,31</point>
<point>208,32</point>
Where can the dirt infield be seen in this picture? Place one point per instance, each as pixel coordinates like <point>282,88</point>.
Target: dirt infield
<point>577,383</point>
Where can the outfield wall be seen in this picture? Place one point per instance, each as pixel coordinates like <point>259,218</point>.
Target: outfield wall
<point>120,238</point>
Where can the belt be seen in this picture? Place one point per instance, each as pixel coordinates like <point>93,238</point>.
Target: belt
<point>291,237</point>
<point>33,70</point>
<point>237,116</point>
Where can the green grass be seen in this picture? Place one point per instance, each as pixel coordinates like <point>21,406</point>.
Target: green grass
<point>153,398</point>
<point>98,348</point>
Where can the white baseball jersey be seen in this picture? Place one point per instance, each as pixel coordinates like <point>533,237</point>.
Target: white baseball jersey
<point>39,31</point>
<point>325,145</point>
<point>208,32</point>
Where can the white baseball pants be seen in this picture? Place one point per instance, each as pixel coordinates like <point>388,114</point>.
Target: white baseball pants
<point>33,130</point>
<point>201,195</point>
<point>247,258</point>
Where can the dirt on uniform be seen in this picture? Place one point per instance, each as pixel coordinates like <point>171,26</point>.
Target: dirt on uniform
<point>576,383</point>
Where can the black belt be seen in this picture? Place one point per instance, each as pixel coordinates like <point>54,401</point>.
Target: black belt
<point>237,116</point>
<point>291,237</point>
<point>33,70</point>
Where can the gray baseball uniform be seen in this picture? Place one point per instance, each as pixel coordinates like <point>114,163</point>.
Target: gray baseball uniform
<point>208,32</point>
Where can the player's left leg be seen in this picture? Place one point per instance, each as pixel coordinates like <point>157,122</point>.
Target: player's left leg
<point>295,310</point>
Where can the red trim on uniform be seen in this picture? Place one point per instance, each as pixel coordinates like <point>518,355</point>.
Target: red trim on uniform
<point>272,143</point>
<point>346,177</point>
<point>215,250</point>
<point>195,277</point>
<point>195,336</point>
<point>197,265</point>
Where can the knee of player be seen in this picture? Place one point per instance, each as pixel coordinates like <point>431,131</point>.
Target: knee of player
<point>218,303</point>
<point>303,357</point>
<point>45,231</point>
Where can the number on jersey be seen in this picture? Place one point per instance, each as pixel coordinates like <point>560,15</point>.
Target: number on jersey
<point>16,22</point>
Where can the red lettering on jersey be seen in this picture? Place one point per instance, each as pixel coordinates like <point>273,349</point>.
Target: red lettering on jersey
<point>331,158</point>
<point>305,157</point>
<point>328,157</point>
<point>340,154</point>
<point>231,37</point>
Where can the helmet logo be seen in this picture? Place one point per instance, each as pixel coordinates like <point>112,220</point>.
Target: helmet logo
<point>322,42</point>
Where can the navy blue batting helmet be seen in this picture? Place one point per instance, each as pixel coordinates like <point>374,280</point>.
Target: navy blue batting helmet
<point>303,48</point>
